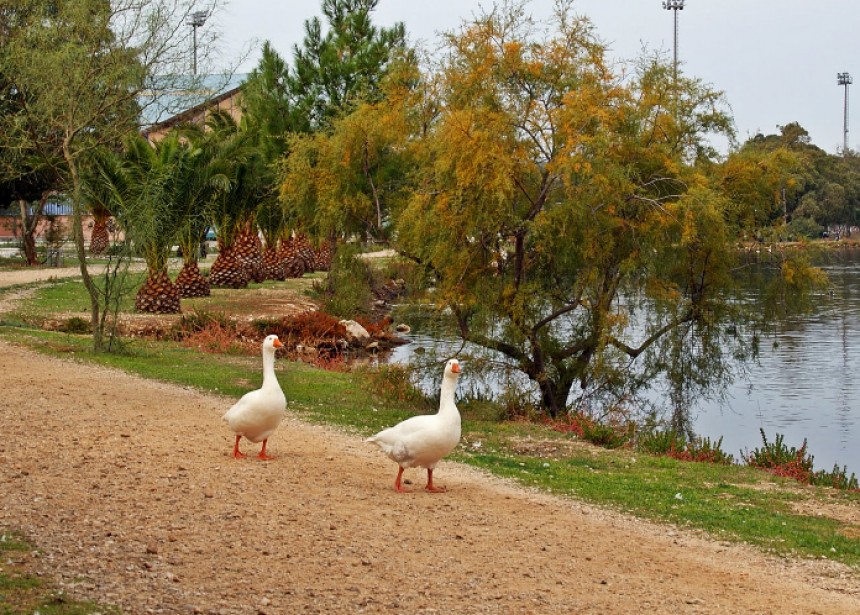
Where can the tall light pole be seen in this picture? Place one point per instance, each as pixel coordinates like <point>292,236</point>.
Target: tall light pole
<point>675,6</point>
<point>844,79</point>
<point>197,19</point>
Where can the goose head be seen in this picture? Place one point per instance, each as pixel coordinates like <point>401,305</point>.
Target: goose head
<point>452,369</point>
<point>271,343</point>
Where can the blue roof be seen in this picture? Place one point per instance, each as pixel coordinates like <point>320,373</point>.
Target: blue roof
<point>171,95</point>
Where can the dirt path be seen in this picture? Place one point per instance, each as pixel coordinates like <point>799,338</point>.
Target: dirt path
<point>127,487</point>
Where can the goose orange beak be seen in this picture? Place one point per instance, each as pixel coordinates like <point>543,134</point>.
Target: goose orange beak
<point>455,367</point>
<point>277,343</point>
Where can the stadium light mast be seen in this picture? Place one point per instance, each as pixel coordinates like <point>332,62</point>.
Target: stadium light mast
<point>197,19</point>
<point>674,6</point>
<point>844,79</point>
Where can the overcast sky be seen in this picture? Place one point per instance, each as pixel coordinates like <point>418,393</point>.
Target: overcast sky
<point>776,60</point>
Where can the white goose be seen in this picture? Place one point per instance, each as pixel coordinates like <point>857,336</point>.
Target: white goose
<point>424,440</point>
<point>258,413</point>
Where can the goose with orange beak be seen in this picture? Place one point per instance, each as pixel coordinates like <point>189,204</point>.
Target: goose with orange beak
<point>422,441</point>
<point>258,413</point>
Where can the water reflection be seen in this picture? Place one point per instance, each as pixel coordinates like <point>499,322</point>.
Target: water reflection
<point>804,385</point>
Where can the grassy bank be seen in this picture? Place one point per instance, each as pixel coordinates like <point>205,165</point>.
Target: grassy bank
<point>732,503</point>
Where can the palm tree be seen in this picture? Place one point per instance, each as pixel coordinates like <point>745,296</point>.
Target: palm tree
<point>165,173</point>
<point>234,208</point>
<point>147,187</point>
<point>211,177</point>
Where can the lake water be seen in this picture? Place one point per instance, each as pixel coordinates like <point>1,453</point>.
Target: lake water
<point>805,384</point>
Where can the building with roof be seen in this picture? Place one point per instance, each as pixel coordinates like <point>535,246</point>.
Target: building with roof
<point>164,108</point>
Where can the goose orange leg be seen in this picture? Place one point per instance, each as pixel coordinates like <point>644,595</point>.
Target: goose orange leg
<point>430,486</point>
<point>397,484</point>
<point>263,454</point>
<point>236,452</point>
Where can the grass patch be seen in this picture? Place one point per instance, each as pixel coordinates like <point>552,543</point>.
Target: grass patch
<point>68,296</point>
<point>24,593</point>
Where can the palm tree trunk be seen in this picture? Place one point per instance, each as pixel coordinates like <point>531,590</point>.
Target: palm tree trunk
<point>190,282</point>
<point>227,271</point>
<point>158,295</point>
<point>100,239</point>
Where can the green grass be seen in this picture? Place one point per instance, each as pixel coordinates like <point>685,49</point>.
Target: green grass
<point>23,593</point>
<point>66,296</point>
<point>732,502</point>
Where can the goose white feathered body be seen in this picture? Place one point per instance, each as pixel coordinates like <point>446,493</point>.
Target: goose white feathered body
<point>258,413</point>
<point>422,441</point>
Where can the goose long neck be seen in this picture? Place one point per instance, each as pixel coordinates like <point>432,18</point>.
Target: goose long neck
<point>269,377</point>
<point>446,393</point>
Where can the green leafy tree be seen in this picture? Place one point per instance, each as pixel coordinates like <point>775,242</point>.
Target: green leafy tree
<point>334,71</point>
<point>347,179</point>
<point>81,66</point>
<point>268,104</point>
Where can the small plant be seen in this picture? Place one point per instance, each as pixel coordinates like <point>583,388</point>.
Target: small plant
<point>200,320</point>
<point>516,404</point>
<point>702,450</point>
<point>607,435</point>
<point>75,324</point>
<point>779,459</point>
<point>838,479</point>
<point>661,442</point>
<point>346,290</point>
<point>392,382</point>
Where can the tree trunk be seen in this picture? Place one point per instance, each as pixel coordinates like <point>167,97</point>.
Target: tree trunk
<point>273,268</point>
<point>248,252</point>
<point>294,266</point>
<point>322,260</point>
<point>28,234</point>
<point>306,252</point>
<point>78,232</point>
<point>158,295</point>
<point>190,282</point>
<point>100,239</point>
<point>29,226</point>
<point>226,271</point>
<point>554,396</point>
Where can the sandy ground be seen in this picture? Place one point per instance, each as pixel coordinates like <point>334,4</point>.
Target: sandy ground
<point>128,489</point>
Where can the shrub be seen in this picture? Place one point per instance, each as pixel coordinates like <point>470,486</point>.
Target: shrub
<point>660,442</point>
<point>200,320</point>
<point>779,459</point>
<point>347,289</point>
<point>605,434</point>
<point>702,450</point>
<point>75,324</point>
<point>838,478</point>
<point>517,404</point>
<point>393,383</point>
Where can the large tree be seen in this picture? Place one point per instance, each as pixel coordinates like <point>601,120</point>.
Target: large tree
<point>82,66</point>
<point>564,213</point>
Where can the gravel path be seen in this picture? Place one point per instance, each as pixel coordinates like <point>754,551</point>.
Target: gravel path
<point>128,489</point>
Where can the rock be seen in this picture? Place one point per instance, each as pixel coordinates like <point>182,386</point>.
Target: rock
<point>403,328</point>
<point>354,331</point>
